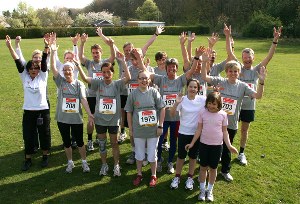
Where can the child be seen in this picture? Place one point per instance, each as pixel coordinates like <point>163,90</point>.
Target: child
<point>213,130</point>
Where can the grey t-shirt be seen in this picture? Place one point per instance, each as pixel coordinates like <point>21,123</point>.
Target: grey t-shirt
<point>141,104</point>
<point>249,76</point>
<point>215,70</point>
<point>232,97</point>
<point>108,102</point>
<point>94,71</point>
<point>68,108</point>
<point>168,89</point>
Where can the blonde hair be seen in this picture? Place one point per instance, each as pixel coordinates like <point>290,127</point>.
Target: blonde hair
<point>232,64</point>
<point>36,52</point>
<point>248,51</point>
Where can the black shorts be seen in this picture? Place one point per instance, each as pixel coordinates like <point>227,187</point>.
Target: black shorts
<point>209,155</point>
<point>123,100</point>
<point>92,103</point>
<point>103,129</point>
<point>183,140</point>
<point>247,116</point>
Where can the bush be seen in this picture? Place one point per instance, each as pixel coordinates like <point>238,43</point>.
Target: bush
<point>261,25</point>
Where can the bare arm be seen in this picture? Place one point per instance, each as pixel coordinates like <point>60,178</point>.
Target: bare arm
<point>83,39</point>
<point>227,33</point>
<point>112,50</point>
<point>159,30</point>
<point>129,121</point>
<point>173,109</point>
<point>198,52</point>
<point>88,111</point>
<point>196,136</point>
<point>231,148</point>
<point>205,64</point>
<point>52,60</point>
<point>161,121</point>
<point>75,40</point>
<point>186,61</point>
<point>189,46</point>
<point>127,75</point>
<point>82,73</point>
<point>10,48</point>
<point>276,34</point>
<point>260,90</point>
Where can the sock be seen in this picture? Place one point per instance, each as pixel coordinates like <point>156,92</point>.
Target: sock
<point>70,161</point>
<point>90,136</point>
<point>190,175</point>
<point>241,150</point>
<point>202,186</point>
<point>177,175</point>
<point>84,161</point>
<point>210,187</point>
<point>122,130</point>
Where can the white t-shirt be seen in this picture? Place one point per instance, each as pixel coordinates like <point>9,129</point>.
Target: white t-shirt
<point>189,111</point>
<point>35,91</point>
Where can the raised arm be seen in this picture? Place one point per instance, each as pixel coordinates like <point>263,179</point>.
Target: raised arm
<point>198,52</point>
<point>83,39</point>
<point>191,38</point>
<point>18,50</point>
<point>53,67</point>
<point>121,58</point>
<point>159,30</point>
<point>82,73</point>
<point>75,40</point>
<point>260,89</point>
<point>213,40</point>
<point>174,107</point>
<point>276,34</point>
<point>205,63</point>
<point>227,33</point>
<point>139,59</point>
<point>186,61</point>
<point>10,48</point>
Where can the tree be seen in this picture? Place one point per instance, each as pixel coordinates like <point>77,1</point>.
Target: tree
<point>46,16</point>
<point>148,11</point>
<point>26,14</point>
<point>62,18</point>
<point>87,19</point>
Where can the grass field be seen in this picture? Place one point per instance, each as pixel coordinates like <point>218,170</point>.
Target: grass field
<point>275,133</point>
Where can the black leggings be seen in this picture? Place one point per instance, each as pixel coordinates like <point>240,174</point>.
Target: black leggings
<point>30,128</point>
<point>67,129</point>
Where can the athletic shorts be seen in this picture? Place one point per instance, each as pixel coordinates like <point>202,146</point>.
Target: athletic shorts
<point>183,140</point>
<point>103,129</point>
<point>209,155</point>
<point>247,116</point>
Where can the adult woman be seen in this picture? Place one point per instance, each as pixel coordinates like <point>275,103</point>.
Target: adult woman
<point>36,110</point>
<point>189,108</point>
<point>108,110</point>
<point>232,92</point>
<point>71,93</point>
<point>145,113</point>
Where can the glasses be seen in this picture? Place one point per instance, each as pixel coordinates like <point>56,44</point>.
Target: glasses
<point>143,78</point>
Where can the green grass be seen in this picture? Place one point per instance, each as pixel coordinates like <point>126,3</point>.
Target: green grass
<point>273,179</point>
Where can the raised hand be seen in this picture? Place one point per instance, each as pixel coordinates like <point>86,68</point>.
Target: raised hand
<point>277,33</point>
<point>99,31</point>
<point>75,39</point>
<point>192,37</point>
<point>52,39</point>
<point>182,38</point>
<point>227,30</point>
<point>213,39</point>
<point>199,51</point>
<point>17,41</point>
<point>159,30</point>
<point>206,55</point>
<point>7,41</point>
<point>84,38</point>
<point>179,98</point>
<point>46,39</point>
<point>120,56</point>
<point>262,73</point>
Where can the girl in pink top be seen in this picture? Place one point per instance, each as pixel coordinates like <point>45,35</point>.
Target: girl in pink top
<point>212,127</point>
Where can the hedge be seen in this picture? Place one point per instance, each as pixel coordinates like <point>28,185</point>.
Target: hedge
<point>91,31</point>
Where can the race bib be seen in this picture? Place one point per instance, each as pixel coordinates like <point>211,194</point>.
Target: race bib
<point>107,106</point>
<point>169,100</point>
<point>98,75</point>
<point>70,105</point>
<point>131,87</point>
<point>229,105</point>
<point>202,91</point>
<point>147,118</point>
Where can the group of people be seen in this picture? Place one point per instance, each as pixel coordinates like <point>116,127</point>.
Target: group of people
<point>201,108</point>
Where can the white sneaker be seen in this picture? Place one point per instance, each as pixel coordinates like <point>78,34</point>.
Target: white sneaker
<point>97,141</point>
<point>175,183</point>
<point>104,170</point>
<point>131,158</point>
<point>242,159</point>
<point>227,176</point>
<point>171,169</point>
<point>122,137</point>
<point>145,161</point>
<point>209,196</point>
<point>85,167</point>
<point>201,196</point>
<point>159,167</point>
<point>70,167</point>
<point>189,184</point>
<point>117,170</point>
<point>166,146</point>
<point>90,146</point>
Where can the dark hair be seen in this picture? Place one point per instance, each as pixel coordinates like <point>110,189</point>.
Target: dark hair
<point>195,80</point>
<point>214,97</point>
<point>126,44</point>
<point>109,65</point>
<point>159,55</point>
<point>30,64</point>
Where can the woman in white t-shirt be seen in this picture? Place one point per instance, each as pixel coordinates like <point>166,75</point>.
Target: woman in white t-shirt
<point>189,107</point>
<point>212,127</point>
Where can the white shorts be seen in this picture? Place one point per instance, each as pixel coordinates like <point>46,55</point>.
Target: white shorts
<point>140,148</point>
